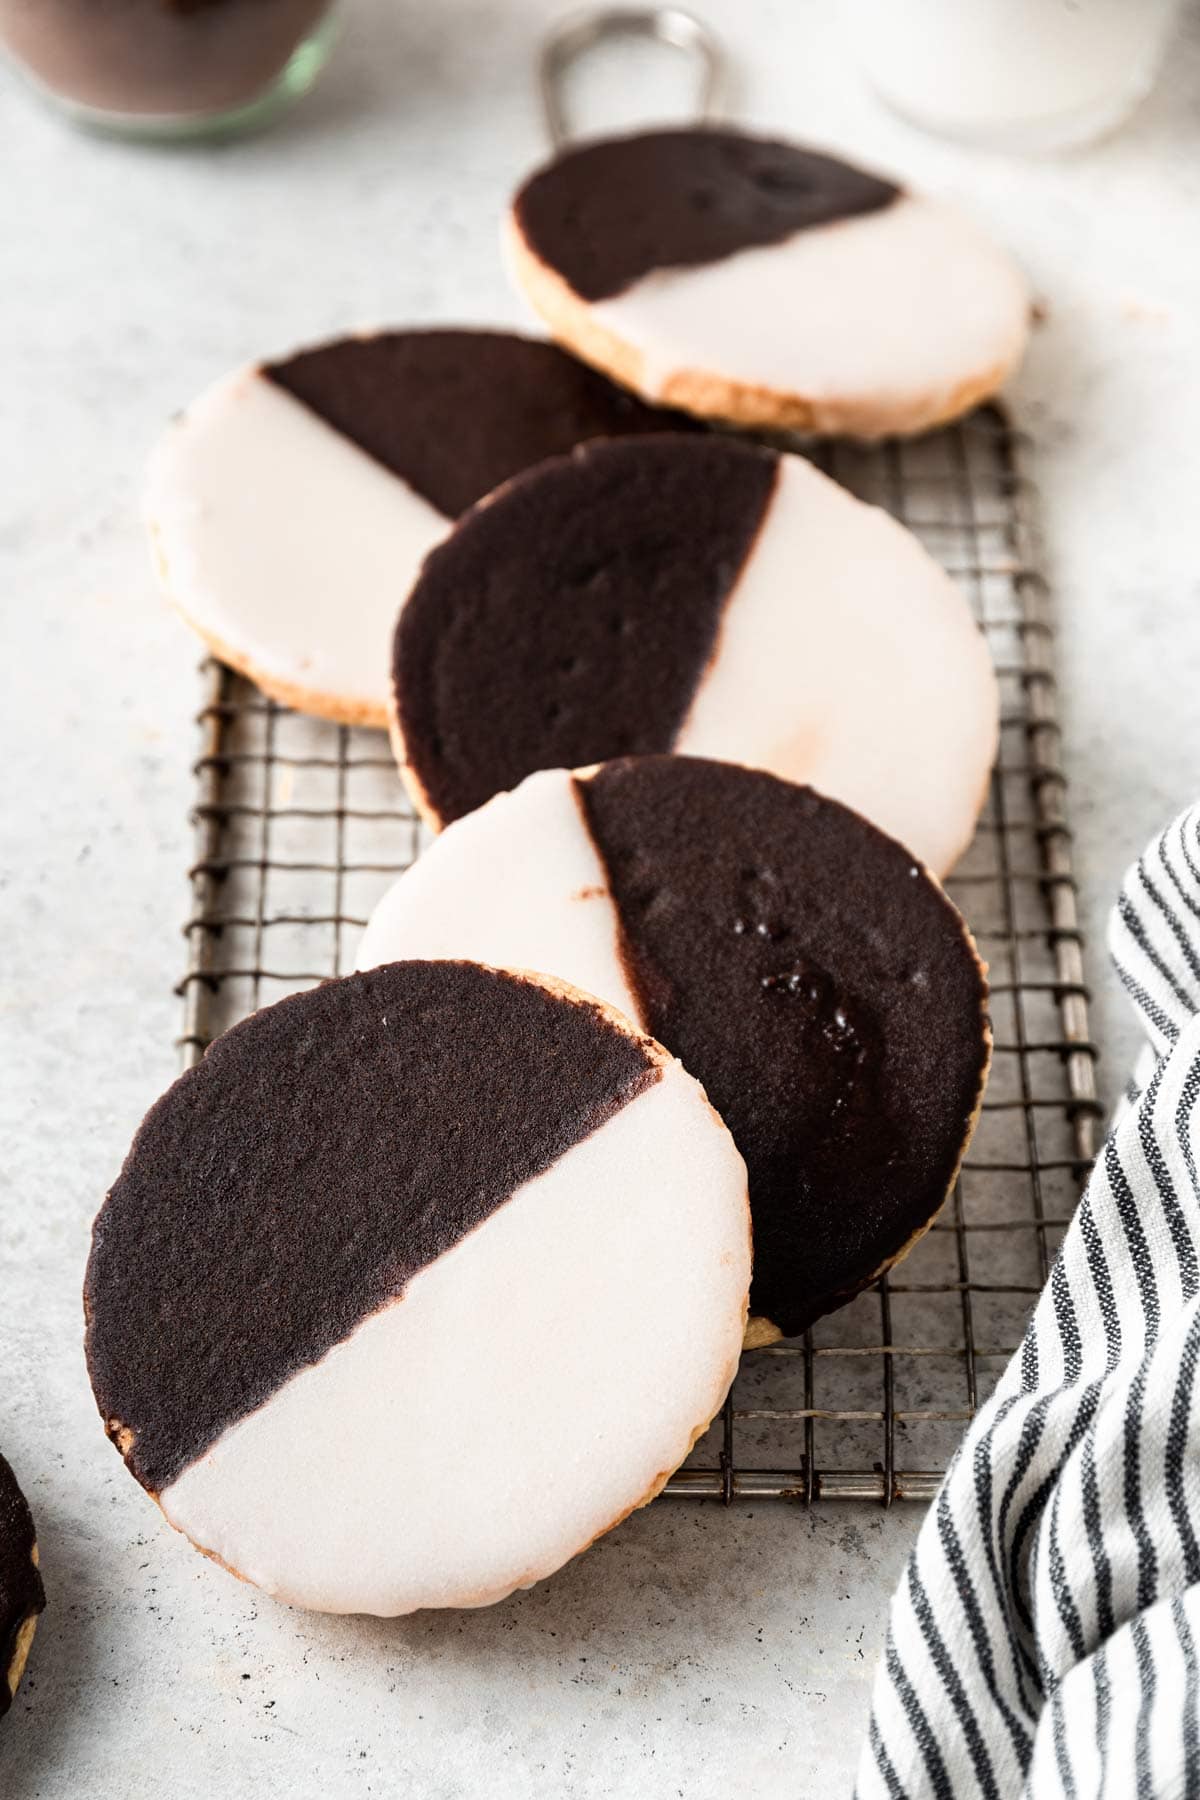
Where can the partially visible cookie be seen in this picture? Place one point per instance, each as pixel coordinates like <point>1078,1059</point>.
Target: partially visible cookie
<point>290,506</point>
<point>22,1596</point>
<point>801,965</point>
<point>415,1285</point>
<point>754,280</point>
<point>702,595</point>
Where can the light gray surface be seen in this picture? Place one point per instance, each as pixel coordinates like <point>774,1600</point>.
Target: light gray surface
<point>694,1650</point>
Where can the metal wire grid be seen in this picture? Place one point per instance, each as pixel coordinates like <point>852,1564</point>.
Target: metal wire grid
<point>302,825</point>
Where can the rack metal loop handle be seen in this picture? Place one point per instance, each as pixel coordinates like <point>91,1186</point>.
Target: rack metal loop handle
<point>575,35</point>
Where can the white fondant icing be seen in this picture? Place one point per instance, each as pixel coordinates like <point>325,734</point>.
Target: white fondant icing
<point>518,884</point>
<point>284,543</point>
<point>849,660</point>
<point>527,1389</point>
<point>880,321</point>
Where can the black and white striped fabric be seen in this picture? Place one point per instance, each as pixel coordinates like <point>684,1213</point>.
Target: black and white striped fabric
<point>1045,1639</point>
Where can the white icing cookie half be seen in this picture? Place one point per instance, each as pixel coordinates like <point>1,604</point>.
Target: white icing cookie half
<point>456,1266</point>
<point>749,279</point>
<point>706,596</point>
<point>291,506</point>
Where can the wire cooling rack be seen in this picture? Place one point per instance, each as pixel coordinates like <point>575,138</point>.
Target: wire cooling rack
<point>302,825</point>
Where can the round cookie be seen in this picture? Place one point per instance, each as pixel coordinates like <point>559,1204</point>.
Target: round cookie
<point>801,965</point>
<point>418,1283</point>
<point>22,1596</point>
<point>750,279</point>
<point>702,595</point>
<point>290,507</point>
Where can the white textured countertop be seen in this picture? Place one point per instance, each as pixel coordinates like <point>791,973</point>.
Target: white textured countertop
<point>694,1651</point>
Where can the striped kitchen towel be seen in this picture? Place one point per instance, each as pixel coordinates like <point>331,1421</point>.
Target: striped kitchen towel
<point>1045,1639</point>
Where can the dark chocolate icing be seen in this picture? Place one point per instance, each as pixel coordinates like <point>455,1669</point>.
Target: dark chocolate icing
<point>21,1591</point>
<point>323,1152</point>
<point>571,618</point>
<point>824,991</point>
<point>455,413</point>
<point>604,214</point>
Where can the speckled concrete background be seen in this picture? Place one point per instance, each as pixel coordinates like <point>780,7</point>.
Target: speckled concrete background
<point>694,1651</point>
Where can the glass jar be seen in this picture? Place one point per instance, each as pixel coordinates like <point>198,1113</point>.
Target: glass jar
<point>1012,74</point>
<point>169,68</point>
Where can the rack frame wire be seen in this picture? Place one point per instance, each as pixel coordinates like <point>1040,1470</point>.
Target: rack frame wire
<point>300,825</point>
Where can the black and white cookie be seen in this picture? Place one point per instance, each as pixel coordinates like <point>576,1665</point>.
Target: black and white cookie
<point>291,505</point>
<point>22,1596</point>
<point>702,595</point>
<point>801,965</point>
<point>416,1284</point>
<point>749,279</point>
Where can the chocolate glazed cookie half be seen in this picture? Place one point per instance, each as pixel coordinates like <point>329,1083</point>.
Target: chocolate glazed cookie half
<point>22,1596</point>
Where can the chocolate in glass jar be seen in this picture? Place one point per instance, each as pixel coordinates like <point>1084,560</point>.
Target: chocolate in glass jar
<point>168,65</point>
